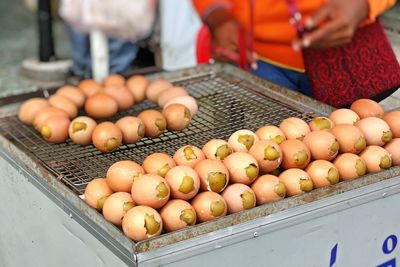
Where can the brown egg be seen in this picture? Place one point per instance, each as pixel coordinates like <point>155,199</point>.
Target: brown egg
<point>344,116</point>
<point>295,154</point>
<point>242,167</point>
<point>55,129</point>
<point>178,117</point>
<point>376,158</point>
<point>188,156</point>
<point>268,155</point>
<point>393,120</point>
<point>213,174</point>
<point>322,145</point>
<point>376,131</point>
<point>154,122</point>
<point>242,140</point>
<point>132,129</point>
<point>137,84</point>
<point>321,123</point>
<point>323,173</point>
<point>177,214</point>
<point>350,166</point>
<point>30,108</point>
<point>209,206</point>
<point>121,174</point>
<point>169,94</point>
<point>121,95</point>
<point>296,182</point>
<point>63,103</point>
<point>158,163</point>
<point>73,94</point>
<point>294,128</point>
<point>116,206</point>
<point>46,113</point>
<point>107,137</point>
<point>150,190</point>
<point>183,181</point>
<point>114,79</point>
<point>101,106</point>
<point>367,108</point>
<point>81,130</point>
<point>239,197</point>
<point>350,138</point>
<point>141,223</point>
<point>156,88</point>
<point>187,101</point>
<point>268,188</point>
<point>96,193</point>
<point>217,149</point>
<point>89,87</point>
<point>393,147</point>
<point>271,132</point>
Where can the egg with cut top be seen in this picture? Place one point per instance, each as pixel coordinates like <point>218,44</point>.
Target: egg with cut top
<point>296,181</point>
<point>107,137</point>
<point>45,113</point>
<point>242,167</point>
<point>321,123</point>
<point>295,154</point>
<point>158,163</point>
<point>141,223</point>
<point>268,155</point>
<point>209,206</point>
<point>239,197</point>
<point>186,100</point>
<point>55,129</point>
<point>132,129</point>
<point>351,139</point>
<point>376,158</point>
<point>177,214</point>
<point>154,122</point>
<point>242,140</point>
<point>217,149</point>
<point>376,131</point>
<point>268,188</point>
<point>96,193</point>
<point>116,206</point>
<point>178,117</point>
<point>294,128</point>
<point>322,145</point>
<point>213,174</point>
<point>323,173</point>
<point>271,132</point>
<point>350,166</point>
<point>150,190</point>
<point>188,156</point>
<point>120,175</point>
<point>81,130</point>
<point>184,182</point>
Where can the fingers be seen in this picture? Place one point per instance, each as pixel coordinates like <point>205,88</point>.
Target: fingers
<point>252,58</point>
<point>320,16</point>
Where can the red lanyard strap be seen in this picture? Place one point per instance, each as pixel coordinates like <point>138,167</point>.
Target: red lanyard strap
<point>295,16</point>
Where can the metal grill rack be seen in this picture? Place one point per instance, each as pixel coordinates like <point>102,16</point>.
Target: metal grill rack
<point>226,104</point>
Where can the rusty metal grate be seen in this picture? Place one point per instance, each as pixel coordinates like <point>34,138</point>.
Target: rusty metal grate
<point>225,105</point>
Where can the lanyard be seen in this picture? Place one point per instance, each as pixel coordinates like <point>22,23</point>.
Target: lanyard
<point>295,16</point>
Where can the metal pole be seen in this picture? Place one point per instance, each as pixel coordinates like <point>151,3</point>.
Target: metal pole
<point>46,42</point>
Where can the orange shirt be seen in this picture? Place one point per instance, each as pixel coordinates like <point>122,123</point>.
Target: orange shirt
<point>273,34</point>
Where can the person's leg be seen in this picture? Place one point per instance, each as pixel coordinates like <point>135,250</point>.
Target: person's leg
<point>121,55</point>
<point>80,46</point>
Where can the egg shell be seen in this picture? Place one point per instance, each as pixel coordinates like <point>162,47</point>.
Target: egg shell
<point>101,106</point>
<point>177,214</point>
<point>376,131</point>
<point>114,79</point>
<point>150,190</point>
<point>116,206</point>
<point>209,206</point>
<point>350,138</point>
<point>178,117</point>
<point>107,137</point>
<point>216,171</point>
<point>132,129</point>
<point>393,147</point>
<point>242,140</point>
<point>188,156</point>
<point>268,155</point>
<point>30,108</point>
<point>89,87</point>
<point>367,108</point>
<point>239,197</point>
<point>323,173</point>
<point>96,192</point>
<point>217,149</point>
<point>187,101</point>
<point>158,163</point>
<point>154,122</point>
<point>271,132</point>
<point>183,181</point>
<point>73,94</point>
<point>294,128</point>
<point>134,223</point>
<point>137,84</point>
<point>46,113</point>
<point>55,129</point>
<point>121,95</point>
<point>156,88</point>
<point>376,158</point>
<point>295,154</point>
<point>393,120</point>
<point>243,167</point>
<point>320,123</point>
<point>268,188</point>
<point>121,174</point>
<point>350,166</point>
<point>322,145</point>
<point>169,94</point>
<point>63,103</point>
<point>344,116</point>
<point>296,182</point>
<point>81,129</point>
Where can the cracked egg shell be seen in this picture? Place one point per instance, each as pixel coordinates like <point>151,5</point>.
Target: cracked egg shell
<point>158,163</point>
<point>188,156</point>
<point>344,116</point>
<point>107,137</point>
<point>89,87</point>
<point>101,106</point>
<point>294,128</point>
<point>177,214</point>
<point>121,174</point>
<point>239,197</point>
<point>393,147</point>
<point>295,154</point>
<point>81,130</point>
<point>322,145</point>
<point>320,123</point>
<point>217,149</point>
<point>376,158</point>
<point>242,140</point>
<point>150,190</point>
<point>30,108</point>
<point>271,132</point>
<point>183,181</point>
<point>96,193</point>
<point>268,155</point>
<point>209,206</point>
<point>213,174</point>
<point>351,139</point>
<point>367,108</point>
<point>73,94</point>
<point>350,166</point>
<point>323,173</point>
<point>137,84</point>
<point>296,181</point>
<point>268,188</point>
<point>121,95</point>
<point>116,206</point>
<point>243,167</point>
<point>178,117</point>
<point>376,131</point>
<point>141,223</point>
<point>132,129</point>
<point>55,129</point>
<point>154,122</point>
